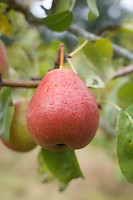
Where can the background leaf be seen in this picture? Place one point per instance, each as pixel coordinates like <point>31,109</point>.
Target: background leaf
<point>93,63</point>
<point>19,60</point>
<point>45,55</point>
<point>109,112</point>
<point>125,142</point>
<point>93,11</point>
<point>125,93</point>
<point>62,165</point>
<point>84,69</point>
<point>61,6</point>
<point>58,22</point>
<point>100,58</point>
<point>5,24</point>
<point>6,113</point>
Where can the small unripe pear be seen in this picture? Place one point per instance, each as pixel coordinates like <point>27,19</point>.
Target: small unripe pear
<point>3,60</point>
<point>20,139</point>
<point>62,113</point>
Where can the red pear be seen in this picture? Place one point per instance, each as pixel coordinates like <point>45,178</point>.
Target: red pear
<point>62,113</point>
<point>3,60</point>
<point>20,139</point>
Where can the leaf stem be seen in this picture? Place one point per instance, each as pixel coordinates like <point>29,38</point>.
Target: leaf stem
<point>110,103</point>
<point>72,5</point>
<point>118,108</point>
<point>73,68</point>
<point>79,48</point>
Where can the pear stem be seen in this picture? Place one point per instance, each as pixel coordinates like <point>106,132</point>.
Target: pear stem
<point>61,55</point>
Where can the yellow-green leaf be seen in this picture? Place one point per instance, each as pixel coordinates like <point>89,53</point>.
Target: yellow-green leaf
<point>93,11</point>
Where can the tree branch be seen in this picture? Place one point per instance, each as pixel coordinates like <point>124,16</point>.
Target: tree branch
<point>124,71</point>
<point>33,84</point>
<point>24,84</point>
<point>119,51</point>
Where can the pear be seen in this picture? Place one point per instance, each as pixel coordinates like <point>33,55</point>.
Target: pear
<point>62,113</point>
<point>3,60</point>
<point>20,139</point>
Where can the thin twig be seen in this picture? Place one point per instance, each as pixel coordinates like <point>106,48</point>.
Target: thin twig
<point>104,30</point>
<point>124,71</point>
<point>23,84</point>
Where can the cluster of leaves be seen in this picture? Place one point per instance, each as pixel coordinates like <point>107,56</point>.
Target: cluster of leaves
<point>62,16</point>
<point>29,56</point>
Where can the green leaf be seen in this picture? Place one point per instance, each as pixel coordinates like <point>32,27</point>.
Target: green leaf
<point>93,11</point>
<point>19,60</point>
<point>125,142</point>
<point>62,165</point>
<point>58,22</point>
<point>84,70</point>
<point>43,169</point>
<point>61,6</point>
<point>6,113</point>
<point>125,93</point>
<point>45,55</point>
<point>99,53</point>
<point>110,113</point>
<point>93,62</point>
